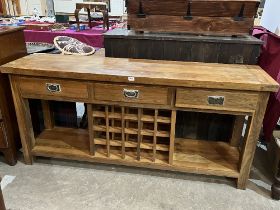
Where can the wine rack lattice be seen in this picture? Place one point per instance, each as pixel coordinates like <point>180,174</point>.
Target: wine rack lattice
<point>129,133</point>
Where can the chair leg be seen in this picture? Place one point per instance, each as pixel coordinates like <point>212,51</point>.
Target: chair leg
<point>89,18</point>
<point>77,19</point>
<point>105,20</point>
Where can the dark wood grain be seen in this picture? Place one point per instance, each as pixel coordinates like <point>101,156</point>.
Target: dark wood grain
<point>121,43</point>
<point>12,47</point>
<point>197,25</point>
<point>202,8</point>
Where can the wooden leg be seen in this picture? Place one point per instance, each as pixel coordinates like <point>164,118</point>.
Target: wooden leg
<point>18,8</point>
<point>275,188</point>
<point>105,20</point>
<point>4,6</point>
<point>77,19</point>
<point>251,139</point>
<point>48,115</point>
<point>24,121</point>
<point>10,156</point>
<point>89,18</point>
<point>237,131</point>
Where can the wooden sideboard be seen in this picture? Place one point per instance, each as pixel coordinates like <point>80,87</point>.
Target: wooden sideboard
<point>132,107</point>
<point>12,47</point>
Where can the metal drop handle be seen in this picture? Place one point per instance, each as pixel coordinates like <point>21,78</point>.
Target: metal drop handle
<point>216,100</point>
<point>130,93</point>
<point>51,87</point>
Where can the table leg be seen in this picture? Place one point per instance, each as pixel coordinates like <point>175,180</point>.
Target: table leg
<point>48,115</point>
<point>251,139</point>
<point>24,121</point>
<point>237,130</point>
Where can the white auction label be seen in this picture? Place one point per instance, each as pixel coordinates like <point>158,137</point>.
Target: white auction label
<point>131,79</point>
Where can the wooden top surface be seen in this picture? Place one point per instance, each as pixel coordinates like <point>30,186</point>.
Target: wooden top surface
<point>171,73</point>
<point>10,29</point>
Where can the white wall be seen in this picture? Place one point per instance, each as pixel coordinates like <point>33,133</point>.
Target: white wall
<point>271,18</point>
<point>27,7</point>
<point>117,7</point>
<point>68,6</point>
<point>65,6</point>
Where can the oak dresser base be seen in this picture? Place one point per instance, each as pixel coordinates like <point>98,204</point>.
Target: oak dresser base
<point>132,108</point>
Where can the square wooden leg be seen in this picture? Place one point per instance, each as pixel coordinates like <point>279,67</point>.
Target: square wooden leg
<point>237,130</point>
<point>251,139</point>
<point>24,121</point>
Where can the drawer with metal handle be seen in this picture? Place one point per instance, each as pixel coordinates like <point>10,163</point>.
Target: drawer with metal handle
<point>131,93</point>
<point>216,99</point>
<point>30,86</point>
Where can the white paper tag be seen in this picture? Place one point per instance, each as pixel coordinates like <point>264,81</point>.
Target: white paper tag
<point>131,79</point>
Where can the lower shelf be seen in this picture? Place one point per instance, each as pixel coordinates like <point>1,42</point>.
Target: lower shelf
<point>206,156</point>
<point>74,144</point>
<point>203,157</point>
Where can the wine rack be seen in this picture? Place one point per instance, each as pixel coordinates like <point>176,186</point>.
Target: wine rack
<point>122,132</point>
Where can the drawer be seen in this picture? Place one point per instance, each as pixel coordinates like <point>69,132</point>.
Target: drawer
<point>52,87</point>
<point>216,99</point>
<point>131,93</point>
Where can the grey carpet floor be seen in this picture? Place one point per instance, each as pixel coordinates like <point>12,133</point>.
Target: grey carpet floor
<point>52,184</point>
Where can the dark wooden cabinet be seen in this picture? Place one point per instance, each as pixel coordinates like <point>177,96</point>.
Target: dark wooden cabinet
<point>122,43</point>
<point>223,17</point>
<point>12,47</point>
